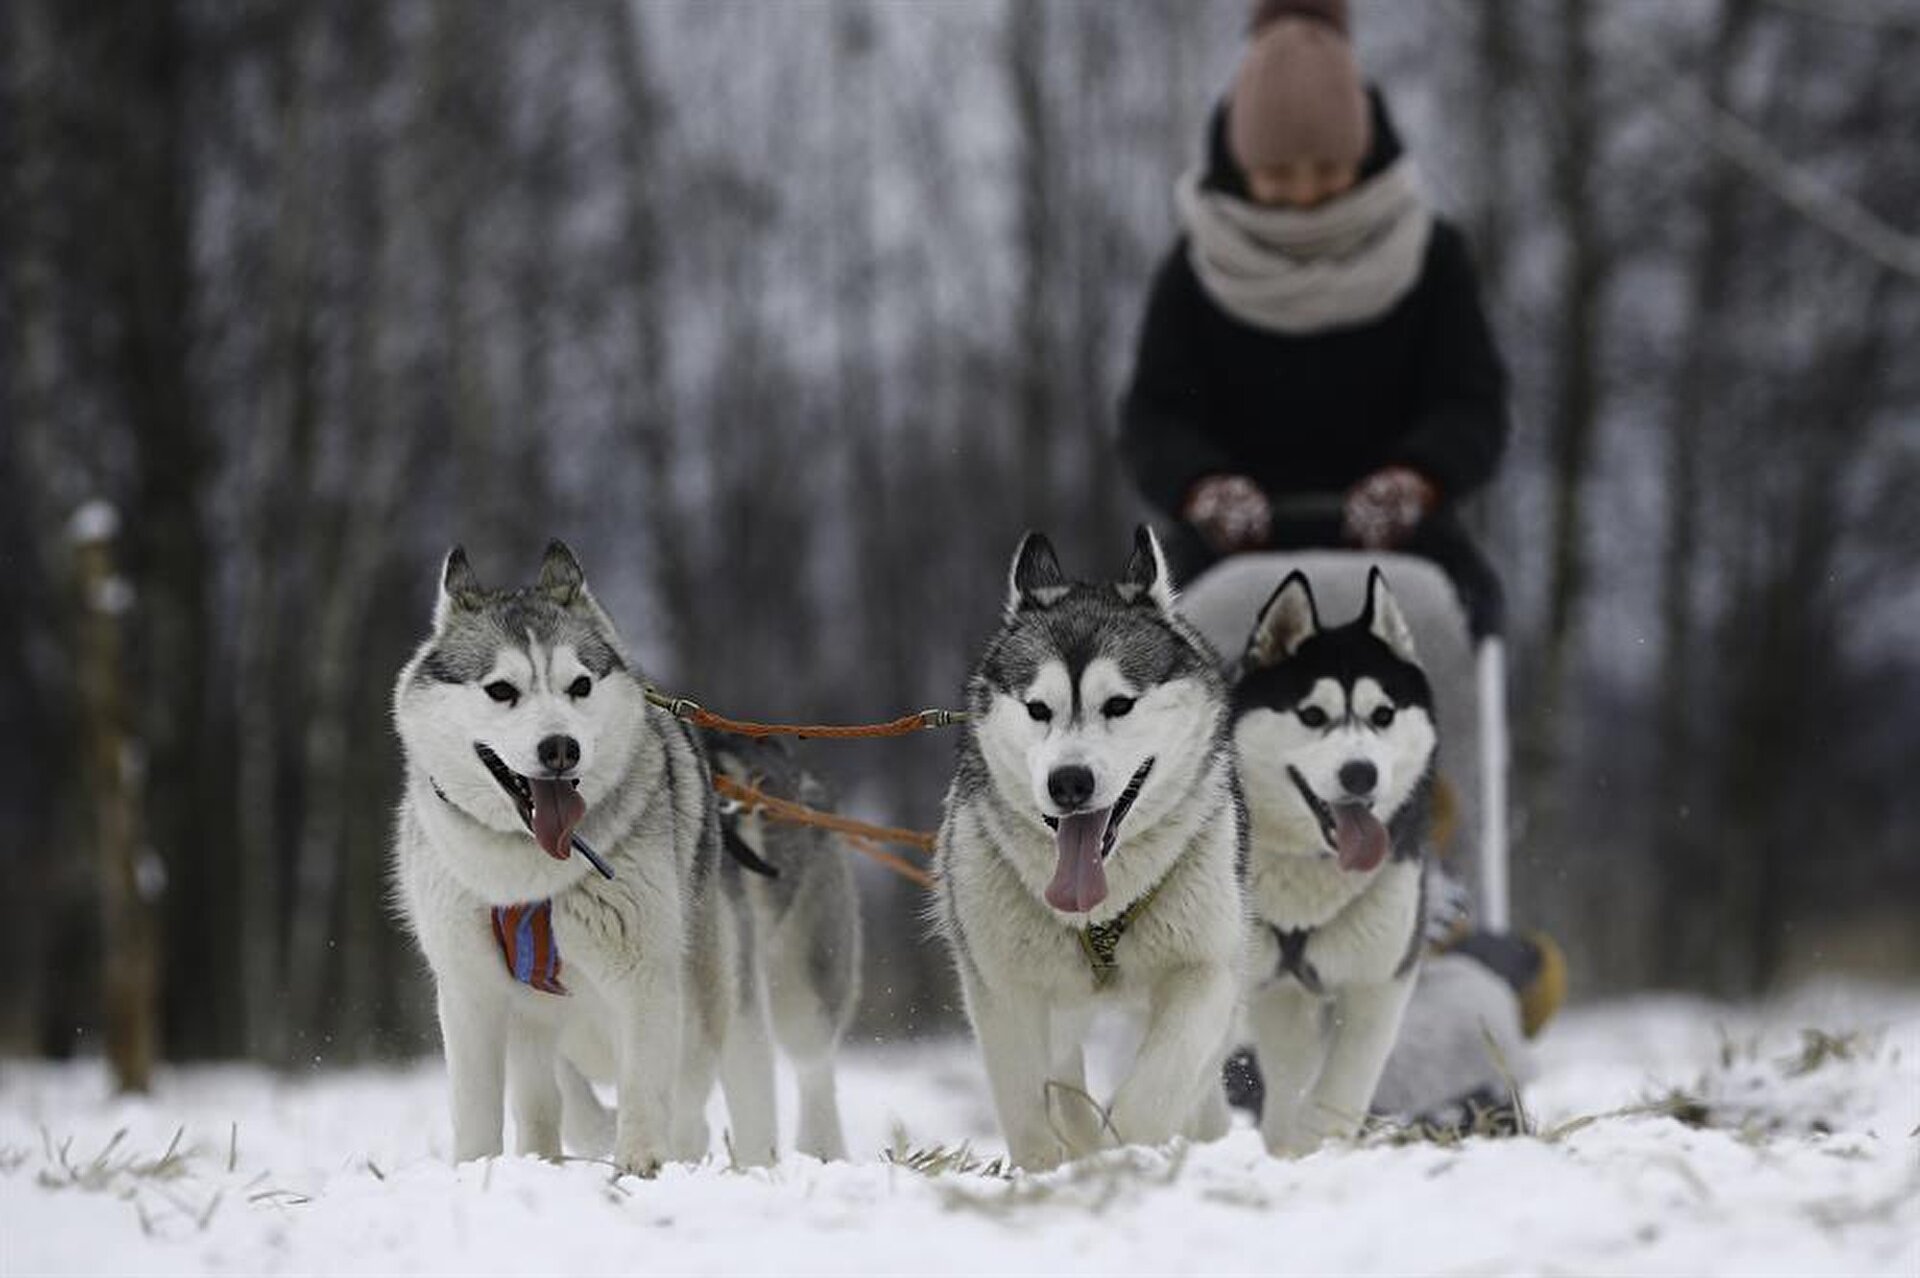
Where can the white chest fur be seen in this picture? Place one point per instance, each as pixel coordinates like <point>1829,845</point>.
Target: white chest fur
<point>1359,926</point>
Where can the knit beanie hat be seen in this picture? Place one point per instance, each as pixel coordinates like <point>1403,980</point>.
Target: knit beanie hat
<point>1331,12</point>
<point>1298,94</point>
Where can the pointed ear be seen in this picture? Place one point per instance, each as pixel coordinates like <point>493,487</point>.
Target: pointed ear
<point>1385,620</point>
<point>1289,619</point>
<point>560,577</point>
<point>458,586</point>
<point>1147,568</point>
<point>1035,577</point>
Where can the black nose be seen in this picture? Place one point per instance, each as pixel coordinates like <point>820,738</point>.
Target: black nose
<point>557,754</point>
<point>1358,777</point>
<point>1071,787</point>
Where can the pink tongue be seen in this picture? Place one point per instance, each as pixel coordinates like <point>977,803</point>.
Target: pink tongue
<point>1079,880</point>
<point>557,808</point>
<point>1361,839</point>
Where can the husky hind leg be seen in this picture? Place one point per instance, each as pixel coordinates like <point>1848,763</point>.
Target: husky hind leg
<point>813,977</point>
<point>533,1088</point>
<point>586,1125</point>
<point>808,1029</point>
<point>1285,1020</point>
<point>693,1084</point>
<point>746,1077</point>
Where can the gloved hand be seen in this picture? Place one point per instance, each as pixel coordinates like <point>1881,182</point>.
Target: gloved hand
<point>1230,513</point>
<point>1383,509</point>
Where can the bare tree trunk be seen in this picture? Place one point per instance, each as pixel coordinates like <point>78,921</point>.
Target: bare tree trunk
<point>329,747</point>
<point>1576,402</point>
<point>882,541</point>
<point>1099,256</point>
<point>391,469</point>
<point>336,882</point>
<point>1036,355</point>
<point>149,254</point>
<point>128,877</point>
<point>655,498</point>
<point>37,710</point>
<point>1683,852</point>
<point>279,469</point>
<point>1786,659</point>
<point>1496,74</point>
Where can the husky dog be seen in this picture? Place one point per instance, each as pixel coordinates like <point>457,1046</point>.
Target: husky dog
<point>1089,857</point>
<point>1335,737</point>
<point>804,921</point>
<point>527,737</point>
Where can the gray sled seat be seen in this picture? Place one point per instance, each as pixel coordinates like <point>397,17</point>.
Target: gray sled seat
<point>1469,685</point>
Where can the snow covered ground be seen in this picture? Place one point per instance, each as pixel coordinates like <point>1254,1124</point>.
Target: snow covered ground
<point>1673,1136</point>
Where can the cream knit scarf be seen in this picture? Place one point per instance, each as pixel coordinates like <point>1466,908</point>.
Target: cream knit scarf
<point>1305,270</point>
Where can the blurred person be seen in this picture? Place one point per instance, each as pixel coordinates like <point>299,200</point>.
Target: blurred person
<point>1314,368</point>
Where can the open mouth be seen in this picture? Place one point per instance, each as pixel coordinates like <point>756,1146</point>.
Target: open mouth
<point>1082,841</point>
<point>1350,829</point>
<point>550,807</point>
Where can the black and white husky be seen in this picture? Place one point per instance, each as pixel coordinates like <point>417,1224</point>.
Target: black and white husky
<point>559,859</point>
<point>1334,730</point>
<point>1088,857</point>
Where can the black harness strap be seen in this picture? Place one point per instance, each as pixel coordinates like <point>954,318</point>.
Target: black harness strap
<point>1293,957</point>
<point>1101,941</point>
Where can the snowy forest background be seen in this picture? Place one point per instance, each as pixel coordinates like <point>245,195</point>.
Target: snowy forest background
<point>790,317</point>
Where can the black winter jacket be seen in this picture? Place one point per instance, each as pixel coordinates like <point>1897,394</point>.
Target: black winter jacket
<point>1421,386</point>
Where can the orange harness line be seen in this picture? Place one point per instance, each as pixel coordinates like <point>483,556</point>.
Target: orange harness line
<point>861,836</point>
<point>858,834</point>
<point>696,714</point>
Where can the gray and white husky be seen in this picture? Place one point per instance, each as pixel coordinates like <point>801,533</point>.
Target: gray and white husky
<point>1335,735</point>
<point>1088,857</point>
<point>804,924</point>
<point>527,738</point>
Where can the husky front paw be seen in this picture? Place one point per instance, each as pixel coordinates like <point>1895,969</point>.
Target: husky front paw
<point>645,1166</point>
<point>1306,1130</point>
<point>1139,1122</point>
<point>1041,1156</point>
<point>1286,1133</point>
<point>639,1155</point>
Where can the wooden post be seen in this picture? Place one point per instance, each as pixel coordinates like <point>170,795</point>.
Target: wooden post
<point>130,875</point>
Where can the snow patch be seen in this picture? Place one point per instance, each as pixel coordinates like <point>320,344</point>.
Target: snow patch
<point>1671,1136</point>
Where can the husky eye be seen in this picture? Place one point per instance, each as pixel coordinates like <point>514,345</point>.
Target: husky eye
<point>1313,716</point>
<point>1116,706</point>
<point>580,687</point>
<point>501,690</point>
<point>1038,711</point>
<point>1381,717</point>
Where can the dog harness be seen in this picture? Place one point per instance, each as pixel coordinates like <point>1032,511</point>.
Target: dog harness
<point>1099,941</point>
<point>525,934</point>
<point>1293,958</point>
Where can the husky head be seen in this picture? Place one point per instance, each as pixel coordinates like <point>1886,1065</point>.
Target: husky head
<point>1334,725</point>
<point>1094,708</point>
<point>519,707</point>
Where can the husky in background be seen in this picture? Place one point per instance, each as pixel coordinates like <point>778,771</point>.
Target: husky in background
<point>803,921</point>
<point>1089,857</point>
<point>526,738</point>
<point>1335,735</point>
